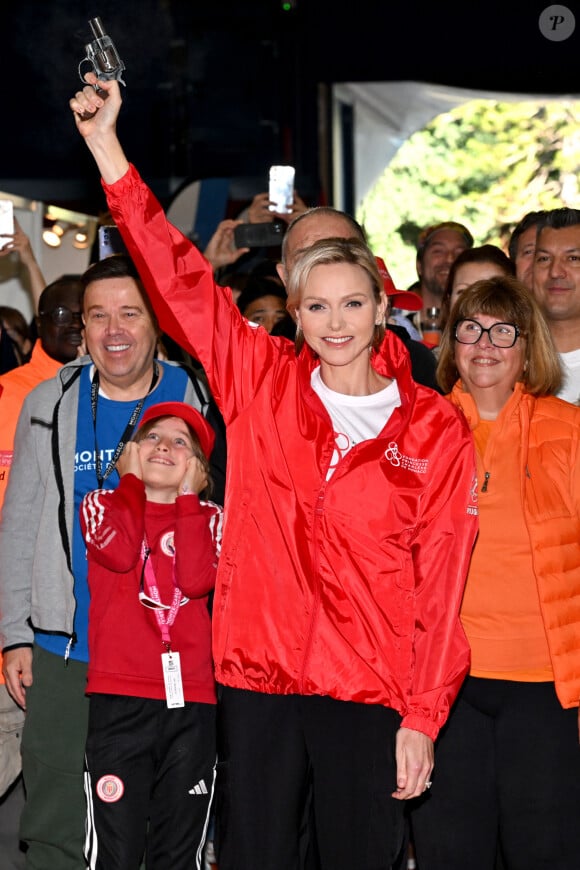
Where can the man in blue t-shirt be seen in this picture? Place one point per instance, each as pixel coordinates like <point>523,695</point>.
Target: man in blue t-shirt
<point>70,433</point>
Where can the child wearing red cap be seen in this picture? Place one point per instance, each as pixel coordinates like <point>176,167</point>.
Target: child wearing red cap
<point>152,548</point>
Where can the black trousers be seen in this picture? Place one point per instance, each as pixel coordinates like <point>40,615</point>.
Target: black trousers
<point>149,783</point>
<point>506,782</point>
<point>277,752</point>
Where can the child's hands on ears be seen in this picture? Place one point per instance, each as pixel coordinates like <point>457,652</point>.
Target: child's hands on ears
<point>194,479</point>
<point>129,462</point>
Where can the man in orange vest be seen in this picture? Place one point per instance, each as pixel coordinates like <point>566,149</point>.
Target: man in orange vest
<point>59,326</point>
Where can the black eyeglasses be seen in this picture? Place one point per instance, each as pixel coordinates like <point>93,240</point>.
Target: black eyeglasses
<point>62,316</point>
<point>500,334</point>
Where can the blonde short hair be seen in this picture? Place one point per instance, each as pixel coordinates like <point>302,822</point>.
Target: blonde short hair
<point>327,252</point>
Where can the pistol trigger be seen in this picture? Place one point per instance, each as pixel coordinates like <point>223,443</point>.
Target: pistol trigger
<point>81,75</point>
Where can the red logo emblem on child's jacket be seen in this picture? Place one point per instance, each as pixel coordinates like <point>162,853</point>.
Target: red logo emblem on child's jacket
<point>110,788</point>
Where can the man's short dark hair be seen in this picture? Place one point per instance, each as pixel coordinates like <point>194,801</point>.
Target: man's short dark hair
<point>114,266</point>
<point>559,219</point>
<point>531,219</point>
<point>65,282</point>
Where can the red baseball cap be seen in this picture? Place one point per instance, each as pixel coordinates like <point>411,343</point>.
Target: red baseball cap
<point>405,299</point>
<point>187,413</point>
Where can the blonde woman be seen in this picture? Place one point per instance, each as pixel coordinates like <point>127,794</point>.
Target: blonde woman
<point>336,643</point>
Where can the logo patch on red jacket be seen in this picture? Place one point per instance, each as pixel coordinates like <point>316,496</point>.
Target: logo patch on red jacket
<point>168,544</point>
<point>110,788</point>
<point>472,507</point>
<point>400,460</point>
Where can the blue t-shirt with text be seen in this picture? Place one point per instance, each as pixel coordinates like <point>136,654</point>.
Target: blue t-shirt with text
<point>112,418</point>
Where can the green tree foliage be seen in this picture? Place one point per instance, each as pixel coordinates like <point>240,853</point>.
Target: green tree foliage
<point>484,164</point>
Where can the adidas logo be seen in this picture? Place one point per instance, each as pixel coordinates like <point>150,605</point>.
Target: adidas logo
<point>199,788</point>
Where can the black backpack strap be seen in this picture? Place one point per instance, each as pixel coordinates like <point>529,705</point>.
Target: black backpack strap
<point>56,463</point>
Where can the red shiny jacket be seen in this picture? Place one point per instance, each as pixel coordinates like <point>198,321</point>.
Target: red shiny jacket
<point>348,587</point>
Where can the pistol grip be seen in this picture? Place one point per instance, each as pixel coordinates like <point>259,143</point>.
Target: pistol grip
<point>86,116</point>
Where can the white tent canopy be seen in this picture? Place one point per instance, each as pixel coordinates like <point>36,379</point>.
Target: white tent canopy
<point>387,113</point>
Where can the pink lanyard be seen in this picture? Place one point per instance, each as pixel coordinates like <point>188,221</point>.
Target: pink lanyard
<point>164,614</point>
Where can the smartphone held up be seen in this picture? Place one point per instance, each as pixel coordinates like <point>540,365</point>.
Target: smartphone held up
<point>281,189</point>
<point>259,235</point>
<point>110,241</point>
<point>6,222</point>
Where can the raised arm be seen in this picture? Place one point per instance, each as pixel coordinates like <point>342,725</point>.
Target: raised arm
<point>20,243</point>
<point>191,308</point>
<point>100,130</point>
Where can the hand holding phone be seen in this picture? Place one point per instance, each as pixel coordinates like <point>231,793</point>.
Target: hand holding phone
<point>6,222</point>
<point>259,235</point>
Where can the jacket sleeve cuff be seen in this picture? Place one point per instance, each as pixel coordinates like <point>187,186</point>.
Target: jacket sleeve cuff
<point>16,646</point>
<point>188,504</point>
<point>118,185</point>
<point>419,723</point>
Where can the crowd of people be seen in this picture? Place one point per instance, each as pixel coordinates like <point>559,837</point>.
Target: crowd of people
<point>306,589</point>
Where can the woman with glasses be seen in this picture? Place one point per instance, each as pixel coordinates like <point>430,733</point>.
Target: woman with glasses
<point>507,780</point>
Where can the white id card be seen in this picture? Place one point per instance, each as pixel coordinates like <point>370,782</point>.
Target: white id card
<point>172,677</point>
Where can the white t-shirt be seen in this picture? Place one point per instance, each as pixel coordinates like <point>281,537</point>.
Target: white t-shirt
<point>354,418</point>
<point>570,391</point>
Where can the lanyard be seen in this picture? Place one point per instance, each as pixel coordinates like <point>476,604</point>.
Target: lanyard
<point>129,428</point>
<point>149,596</point>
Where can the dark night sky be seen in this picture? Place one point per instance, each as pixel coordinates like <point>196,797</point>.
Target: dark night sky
<point>223,87</point>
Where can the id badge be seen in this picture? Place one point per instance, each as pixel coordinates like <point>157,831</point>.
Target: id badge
<point>172,678</point>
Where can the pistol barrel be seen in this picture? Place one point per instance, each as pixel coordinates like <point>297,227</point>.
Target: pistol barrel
<point>97,28</point>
